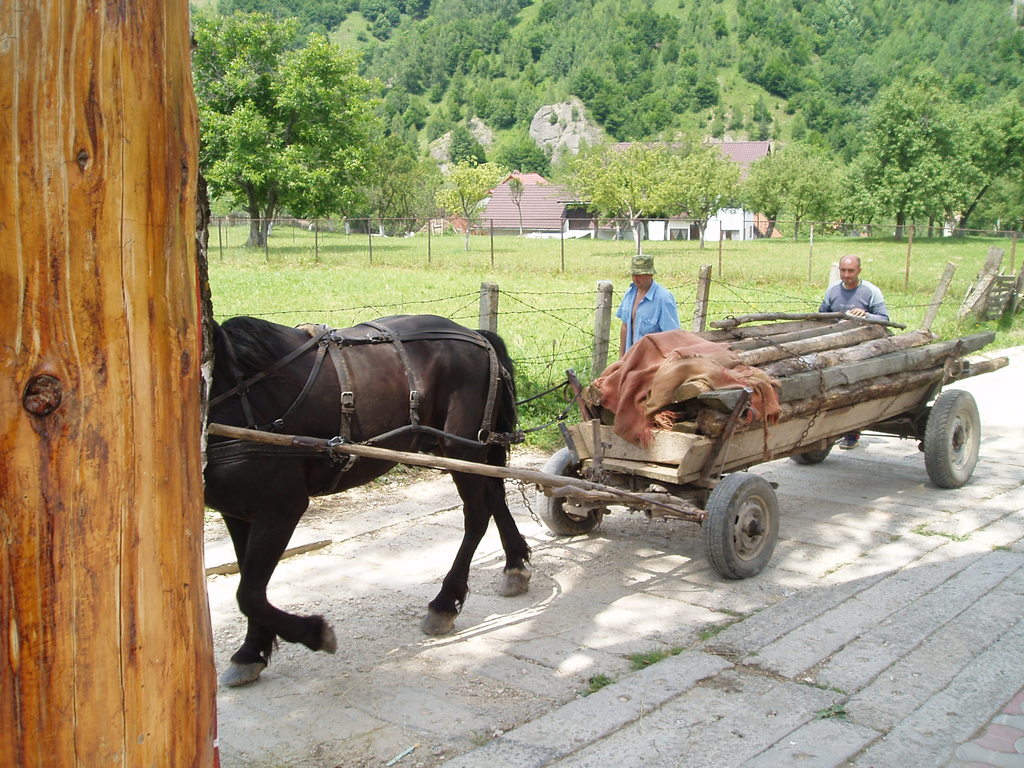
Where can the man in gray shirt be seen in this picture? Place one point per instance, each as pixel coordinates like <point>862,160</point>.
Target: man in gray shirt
<point>857,298</point>
<point>854,296</point>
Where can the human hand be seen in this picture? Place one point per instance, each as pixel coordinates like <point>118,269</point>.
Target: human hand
<point>857,312</point>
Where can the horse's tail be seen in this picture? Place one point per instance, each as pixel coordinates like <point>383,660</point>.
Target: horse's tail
<point>506,417</point>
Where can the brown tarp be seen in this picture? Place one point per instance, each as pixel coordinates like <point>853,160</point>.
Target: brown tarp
<point>649,377</point>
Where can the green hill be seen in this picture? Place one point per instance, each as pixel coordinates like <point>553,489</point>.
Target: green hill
<point>659,68</point>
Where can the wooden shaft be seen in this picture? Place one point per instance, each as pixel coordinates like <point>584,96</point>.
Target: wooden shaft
<point>542,479</point>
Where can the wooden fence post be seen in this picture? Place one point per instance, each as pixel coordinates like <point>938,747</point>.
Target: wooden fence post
<point>910,250</point>
<point>602,328</point>
<point>106,651</point>
<point>489,307</point>
<point>937,298</point>
<point>369,239</point>
<point>810,255</point>
<point>700,307</point>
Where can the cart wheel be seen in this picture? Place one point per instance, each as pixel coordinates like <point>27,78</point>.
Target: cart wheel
<point>741,526</point>
<point>552,508</point>
<point>812,457</point>
<point>951,439</point>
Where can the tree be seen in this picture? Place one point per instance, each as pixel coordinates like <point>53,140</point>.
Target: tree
<point>708,182</point>
<point>521,153</point>
<point>515,189</point>
<point>465,147</point>
<point>799,180</point>
<point>400,188</point>
<point>466,185</point>
<point>633,182</point>
<point>996,152</point>
<point>283,127</point>
<point>915,147</point>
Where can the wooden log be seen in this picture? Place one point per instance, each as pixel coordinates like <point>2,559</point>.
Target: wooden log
<point>977,297</point>
<point>732,322</point>
<point>817,330</point>
<point>864,351</point>
<point>803,385</point>
<point>734,333</point>
<point>780,351</point>
<point>106,650</point>
<point>939,296</point>
<point>711,422</point>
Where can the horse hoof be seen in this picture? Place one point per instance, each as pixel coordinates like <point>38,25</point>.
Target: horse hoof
<point>514,581</point>
<point>435,623</point>
<point>242,674</point>
<point>328,641</point>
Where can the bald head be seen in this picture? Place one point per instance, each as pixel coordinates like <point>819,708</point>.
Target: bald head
<point>849,271</point>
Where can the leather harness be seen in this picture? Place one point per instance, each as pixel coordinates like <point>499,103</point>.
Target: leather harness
<point>333,342</point>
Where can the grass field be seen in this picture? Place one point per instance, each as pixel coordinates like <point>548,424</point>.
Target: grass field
<point>548,287</point>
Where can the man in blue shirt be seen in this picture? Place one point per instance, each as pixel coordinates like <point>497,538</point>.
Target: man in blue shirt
<point>857,298</point>
<point>647,306</point>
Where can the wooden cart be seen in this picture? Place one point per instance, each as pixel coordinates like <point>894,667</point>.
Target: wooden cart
<point>697,477</point>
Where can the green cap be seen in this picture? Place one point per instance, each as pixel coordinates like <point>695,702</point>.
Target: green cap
<point>642,265</point>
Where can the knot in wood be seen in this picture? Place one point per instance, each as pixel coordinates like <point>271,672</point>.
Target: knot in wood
<point>42,395</point>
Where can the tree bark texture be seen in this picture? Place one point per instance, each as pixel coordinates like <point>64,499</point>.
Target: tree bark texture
<point>105,644</point>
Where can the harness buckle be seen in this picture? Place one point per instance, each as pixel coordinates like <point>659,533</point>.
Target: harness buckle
<point>348,402</point>
<point>414,407</point>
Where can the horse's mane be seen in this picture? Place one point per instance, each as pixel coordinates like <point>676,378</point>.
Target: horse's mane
<point>257,343</point>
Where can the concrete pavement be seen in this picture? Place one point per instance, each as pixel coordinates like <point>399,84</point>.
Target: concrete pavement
<point>886,631</point>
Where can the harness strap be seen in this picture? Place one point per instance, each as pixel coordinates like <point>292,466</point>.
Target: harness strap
<point>321,352</point>
<point>410,373</point>
<point>242,386</point>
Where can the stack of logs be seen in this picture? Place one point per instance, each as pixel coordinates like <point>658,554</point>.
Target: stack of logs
<point>827,360</point>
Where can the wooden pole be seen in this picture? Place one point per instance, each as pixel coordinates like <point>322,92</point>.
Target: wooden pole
<point>430,228</point>
<point>489,307</point>
<point>369,238</point>
<point>910,250</point>
<point>700,307</point>
<point>719,251</point>
<point>602,328</point>
<point>937,298</point>
<point>491,228</point>
<point>561,247</point>
<point>810,256</point>
<point>106,651</point>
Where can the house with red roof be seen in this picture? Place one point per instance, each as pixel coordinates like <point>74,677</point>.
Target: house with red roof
<point>551,210</point>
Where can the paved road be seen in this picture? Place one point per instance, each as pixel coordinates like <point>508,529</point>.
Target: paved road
<point>886,631</point>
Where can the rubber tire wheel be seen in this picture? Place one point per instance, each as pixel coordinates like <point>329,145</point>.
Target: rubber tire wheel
<point>552,508</point>
<point>951,439</point>
<point>812,457</point>
<point>739,501</point>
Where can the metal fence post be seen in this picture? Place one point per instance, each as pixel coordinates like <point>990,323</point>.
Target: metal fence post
<point>700,307</point>
<point>602,328</point>
<point>489,307</point>
<point>369,239</point>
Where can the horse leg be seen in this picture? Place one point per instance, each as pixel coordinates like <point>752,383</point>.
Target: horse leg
<point>443,609</point>
<point>263,548</point>
<point>252,656</point>
<point>515,579</point>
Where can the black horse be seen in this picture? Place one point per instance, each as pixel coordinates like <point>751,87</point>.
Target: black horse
<point>413,383</point>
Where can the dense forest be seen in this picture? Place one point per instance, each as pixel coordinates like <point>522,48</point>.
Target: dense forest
<point>757,69</point>
<point>916,107</point>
